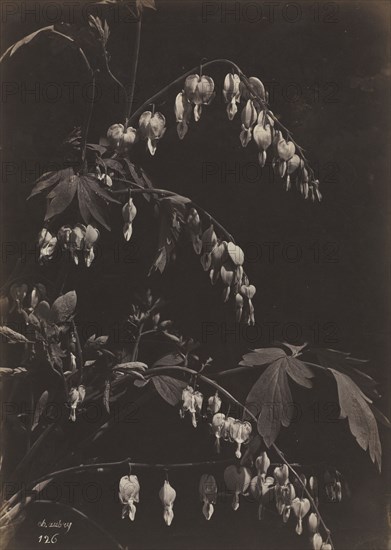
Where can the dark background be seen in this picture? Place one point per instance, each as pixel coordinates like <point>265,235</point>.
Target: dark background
<point>339,62</point>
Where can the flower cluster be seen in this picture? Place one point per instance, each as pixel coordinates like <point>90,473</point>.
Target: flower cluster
<point>79,241</point>
<point>197,91</point>
<point>152,127</point>
<point>231,429</point>
<point>224,261</point>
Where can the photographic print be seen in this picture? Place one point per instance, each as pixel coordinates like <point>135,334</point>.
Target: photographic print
<point>194,300</point>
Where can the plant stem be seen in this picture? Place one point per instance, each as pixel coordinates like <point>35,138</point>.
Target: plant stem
<point>167,193</point>
<point>133,71</point>
<point>87,124</point>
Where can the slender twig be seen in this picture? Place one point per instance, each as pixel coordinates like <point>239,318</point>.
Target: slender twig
<point>167,193</point>
<point>86,518</point>
<point>133,71</point>
<point>87,124</point>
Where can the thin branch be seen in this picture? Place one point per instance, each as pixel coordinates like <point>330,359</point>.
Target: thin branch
<point>167,193</point>
<point>133,71</point>
<point>88,122</point>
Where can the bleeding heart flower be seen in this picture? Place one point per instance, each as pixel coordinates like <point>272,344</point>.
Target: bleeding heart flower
<point>209,241</point>
<point>115,135</point>
<point>182,114</point>
<point>231,93</point>
<point>167,495</point>
<point>47,243</point>
<point>281,474</point>
<point>227,272</point>
<point>300,507</point>
<point>129,138</point>
<point>76,241</point>
<point>199,90</point>
<point>129,212</point>
<point>152,128</point>
<point>192,403</point>
<point>262,136</point>
<point>218,422</point>
<point>249,117</point>
<point>313,488</point>
<point>238,307</point>
<point>90,238</point>
<point>262,464</point>
<point>214,404</point>
<point>18,293</point>
<point>64,236</point>
<point>285,149</point>
<point>256,85</point>
<point>218,256</point>
<point>279,167</point>
<point>260,488</point>
<point>208,494</point>
<point>237,480</point>
<point>313,522</point>
<point>240,433</point>
<point>129,494</point>
<point>76,396</point>
<point>316,541</point>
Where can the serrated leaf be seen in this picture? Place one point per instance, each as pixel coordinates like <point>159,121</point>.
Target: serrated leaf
<point>90,205</point>
<point>170,389</point>
<point>40,407</point>
<point>63,307</point>
<point>271,398</point>
<point>12,336</point>
<point>354,405</point>
<point>61,196</point>
<point>261,356</point>
<point>45,181</point>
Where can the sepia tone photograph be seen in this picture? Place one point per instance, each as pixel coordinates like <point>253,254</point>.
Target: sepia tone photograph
<point>195,275</point>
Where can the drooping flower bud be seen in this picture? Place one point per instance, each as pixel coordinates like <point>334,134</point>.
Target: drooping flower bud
<point>167,495</point>
<point>238,307</point>
<point>47,243</point>
<point>285,149</point>
<point>237,480</point>
<point>76,241</point>
<point>152,127</point>
<point>199,90</point>
<point>262,136</point>
<point>249,117</point>
<point>316,542</point>
<point>129,212</point>
<point>231,93</point>
<point>76,396</point>
<point>90,238</point>
<point>208,494</point>
<point>194,225</point>
<point>313,522</point>
<point>129,494</point>
<point>182,114</point>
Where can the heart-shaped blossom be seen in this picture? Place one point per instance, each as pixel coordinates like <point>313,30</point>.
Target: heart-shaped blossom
<point>218,423</point>
<point>249,117</point>
<point>237,480</point>
<point>47,243</point>
<point>182,114</point>
<point>192,403</point>
<point>167,495</point>
<point>129,494</point>
<point>214,404</point>
<point>199,90</point>
<point>152,127</point>
<point>257,88</point>
<point>90,238</point>
<point>231,93</point>
<point>240,433</point>
<point>208,494</point>
<point>300,507</point>
<point>129,212</point>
